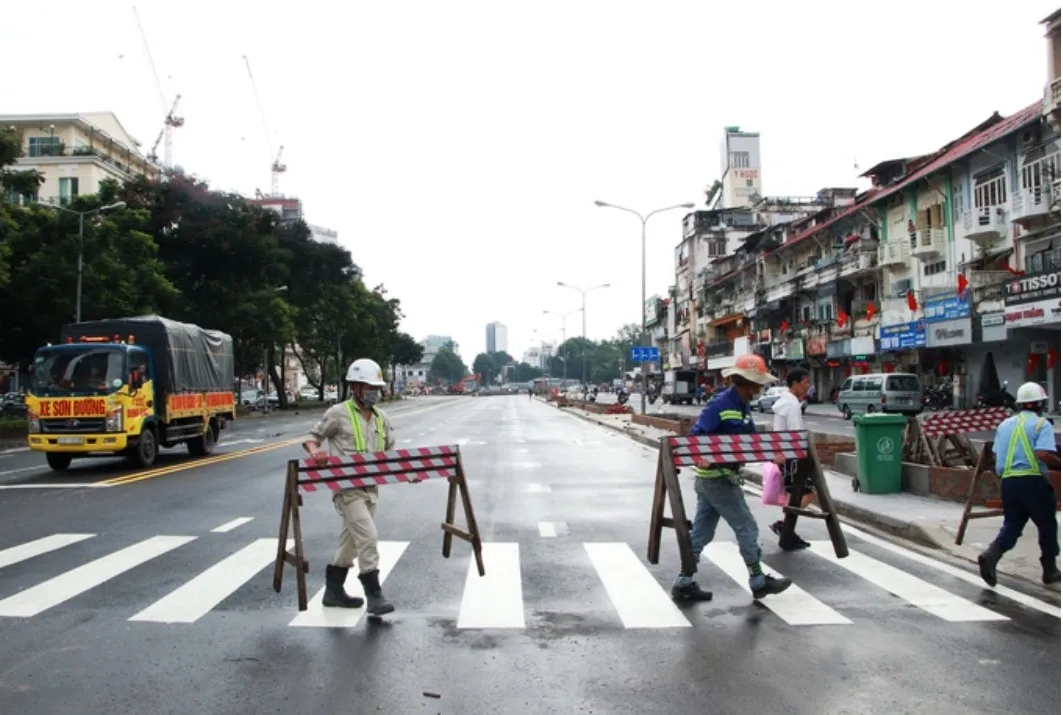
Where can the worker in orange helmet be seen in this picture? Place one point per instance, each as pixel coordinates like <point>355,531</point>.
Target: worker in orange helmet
<point>719,487</point>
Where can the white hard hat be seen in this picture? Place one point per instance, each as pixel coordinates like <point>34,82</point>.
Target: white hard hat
<point>1031,392</point>
<point>366,371</point>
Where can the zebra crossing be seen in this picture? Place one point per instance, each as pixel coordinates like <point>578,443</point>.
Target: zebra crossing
<point>637,597</point>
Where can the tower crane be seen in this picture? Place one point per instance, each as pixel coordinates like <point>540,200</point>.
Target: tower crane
<point>276,168</point>
<point>172,121</point>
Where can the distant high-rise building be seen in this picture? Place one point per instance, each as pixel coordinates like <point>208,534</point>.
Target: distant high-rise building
<point>433,343</point>
<point>497,338</point>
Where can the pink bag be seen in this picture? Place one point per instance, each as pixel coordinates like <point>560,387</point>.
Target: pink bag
<point>773,490</point>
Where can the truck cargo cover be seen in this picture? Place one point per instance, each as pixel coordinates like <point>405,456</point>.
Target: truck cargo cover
<point>187,358</point>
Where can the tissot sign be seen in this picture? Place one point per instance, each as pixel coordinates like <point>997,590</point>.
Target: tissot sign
<point>1032,289</point>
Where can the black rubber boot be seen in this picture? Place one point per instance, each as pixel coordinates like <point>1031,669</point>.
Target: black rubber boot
<point>378,605</point>
<point>1049,571</point>
<point>793,543</point>
<point>690,592</point>
<point>987,563</point>
<point>335,596</point>
<point>771,587</point>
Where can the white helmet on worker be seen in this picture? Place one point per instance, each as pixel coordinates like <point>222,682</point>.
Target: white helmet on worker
<point>1031,394</point>
<point>367,372</point>
<point>750,367</point>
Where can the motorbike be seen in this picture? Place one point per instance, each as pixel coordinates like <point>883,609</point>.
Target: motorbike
<point>938,397</point>
<point>1000,398</point>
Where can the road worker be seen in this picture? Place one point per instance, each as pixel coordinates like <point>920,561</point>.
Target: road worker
<point>1025,448</point>
<point>718,486</point>
<point>356,425</point>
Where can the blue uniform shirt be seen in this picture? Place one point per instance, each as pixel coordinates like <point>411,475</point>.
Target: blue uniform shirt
<point>726,413</point>
<point>1041,441</point>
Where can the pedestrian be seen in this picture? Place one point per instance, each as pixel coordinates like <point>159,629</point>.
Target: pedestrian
<point>718,486</point>
<point>788,417</point>
<point>1025,449</point>
<point>351,427</point>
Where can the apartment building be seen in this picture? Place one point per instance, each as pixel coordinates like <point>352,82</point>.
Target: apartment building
<point>75,152</point>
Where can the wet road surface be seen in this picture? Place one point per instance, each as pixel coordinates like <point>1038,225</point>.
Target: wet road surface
<point>155,596</point>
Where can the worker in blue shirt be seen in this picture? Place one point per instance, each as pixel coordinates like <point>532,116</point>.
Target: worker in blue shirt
<point>1025,448</point>
<point>718,485</point>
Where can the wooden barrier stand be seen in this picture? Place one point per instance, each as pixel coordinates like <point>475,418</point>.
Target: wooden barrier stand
<point>372,469</point>
<point>731,449</point>
<point>967,422</point>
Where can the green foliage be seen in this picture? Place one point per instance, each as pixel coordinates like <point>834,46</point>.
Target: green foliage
<point>447,366</point>
<point>604,359</point>
<point>490,365</point>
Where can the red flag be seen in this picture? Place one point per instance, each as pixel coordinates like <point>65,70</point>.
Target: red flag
<point>870,311</point>
<point>1053,358</point>
<point>783,327</point>
<point>912,304</point>
<point>1015,271</point>
<point>961,284</point>
<point>843,318</point>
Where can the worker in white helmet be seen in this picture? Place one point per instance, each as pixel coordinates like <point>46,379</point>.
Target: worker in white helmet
<point>357,425</point>
<point>1025,448</point>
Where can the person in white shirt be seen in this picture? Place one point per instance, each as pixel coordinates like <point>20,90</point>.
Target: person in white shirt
<point>788,416</point>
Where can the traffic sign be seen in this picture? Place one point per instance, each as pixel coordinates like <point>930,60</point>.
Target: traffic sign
<point>642,353</point>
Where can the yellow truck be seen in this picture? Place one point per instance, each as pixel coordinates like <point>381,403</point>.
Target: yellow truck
<point>129,387</point>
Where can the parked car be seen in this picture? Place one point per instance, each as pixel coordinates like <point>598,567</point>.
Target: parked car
<point>766,401</point>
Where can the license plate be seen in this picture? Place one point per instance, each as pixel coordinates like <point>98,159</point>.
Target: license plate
<point>71,440</point>
<point>904,401</point>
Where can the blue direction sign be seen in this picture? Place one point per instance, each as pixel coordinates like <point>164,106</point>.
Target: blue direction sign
<point>641,353</point>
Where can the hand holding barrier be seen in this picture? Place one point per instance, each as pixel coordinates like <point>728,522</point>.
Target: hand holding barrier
<point>714,450</point>
<point>372,469</point>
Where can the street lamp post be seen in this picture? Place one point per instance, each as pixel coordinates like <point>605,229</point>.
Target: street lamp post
<point>564,337</point>
<point>642,306</point>
<point>81,240</point>
<point>583,297</point>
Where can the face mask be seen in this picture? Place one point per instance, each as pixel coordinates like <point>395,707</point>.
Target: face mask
<point>370,397</point>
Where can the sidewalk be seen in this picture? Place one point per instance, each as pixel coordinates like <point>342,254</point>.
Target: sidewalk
<point>925,521</point>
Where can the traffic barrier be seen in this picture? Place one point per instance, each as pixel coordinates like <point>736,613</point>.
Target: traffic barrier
<point>733,450</point>
<point>963,422</point>
<point>372,469</point>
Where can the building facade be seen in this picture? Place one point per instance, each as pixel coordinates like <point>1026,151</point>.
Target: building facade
<point>75,152</point>
<point>324,235</point>
<point>739,168</point>
<point>497,338</point>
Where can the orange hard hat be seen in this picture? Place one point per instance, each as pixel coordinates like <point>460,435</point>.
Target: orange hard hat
<point>751,367</point>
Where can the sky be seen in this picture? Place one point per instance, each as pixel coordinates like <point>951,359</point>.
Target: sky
<point>458,147</point>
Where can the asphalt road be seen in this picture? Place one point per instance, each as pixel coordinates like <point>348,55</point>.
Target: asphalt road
<point>570,618</point>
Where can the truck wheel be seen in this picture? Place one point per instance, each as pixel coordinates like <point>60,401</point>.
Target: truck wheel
<point>203,445</point>
<point>59,461</point>
<point>147,449</point>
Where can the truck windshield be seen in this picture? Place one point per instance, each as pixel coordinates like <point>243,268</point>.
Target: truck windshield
<point>77,372</point>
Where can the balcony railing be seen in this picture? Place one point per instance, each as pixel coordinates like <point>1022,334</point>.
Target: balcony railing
<point>928,244</point>
<point>718,348</point>
<point>1052,96</point>
<point>858,263</point>
<point>1031,203</point>
<point>986,225</point>
<point>894,252</point>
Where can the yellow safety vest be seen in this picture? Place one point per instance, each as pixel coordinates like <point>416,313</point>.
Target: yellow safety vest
<point>359,433</point>
<point>1019,438</point>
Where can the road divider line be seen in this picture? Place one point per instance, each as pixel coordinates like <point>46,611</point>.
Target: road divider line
<point>61,485</point>
<point>30,549</point>
<point>639,600</point>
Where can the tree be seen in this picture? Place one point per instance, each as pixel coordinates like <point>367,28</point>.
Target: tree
<point>484,366</point>
<point>447,366</point>
<point>404,351</point>
<point>526,373</point>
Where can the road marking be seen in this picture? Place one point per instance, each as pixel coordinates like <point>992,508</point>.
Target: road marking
<point>204,462</point>
<point>794,605</point>
<point>550,529</point>
<point>241,441</point>
<point>461,442</point>
<point>39,468</point>
<point>318,616</point>
<point>639,600</point>
<point>538,488</point>
<point>79,580</point>
<point>196,598</point>
<point>230,525</point>
<point>15,450</point>
<point>61,485</point>
<point>28,550</point>
<point>495,600</point>
<point>926,596</point>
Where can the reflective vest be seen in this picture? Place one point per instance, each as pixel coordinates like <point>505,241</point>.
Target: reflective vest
<point>721,471</point>
<point>359,433</point>
<point>1019,438</point>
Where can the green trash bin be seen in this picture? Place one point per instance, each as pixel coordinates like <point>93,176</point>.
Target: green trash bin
<point>879,452</point>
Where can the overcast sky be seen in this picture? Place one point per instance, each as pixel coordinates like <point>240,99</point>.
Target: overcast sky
<point>458,147</point>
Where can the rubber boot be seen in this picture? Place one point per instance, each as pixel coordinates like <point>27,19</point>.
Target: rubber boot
<point>690,592</point>
<point>378,605</point>
<point>1049,571</point>
<point>987,563</point>
<point>335,596</point>
<point>793,543</point>
<point>771,587</point>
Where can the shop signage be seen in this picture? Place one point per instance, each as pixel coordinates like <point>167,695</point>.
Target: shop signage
<point>1032,289</point>
<point>903,336</point>
<point>839,348</point>
<point>994,328</point>
<point>1026,315</point>
<point>862,346</point>
<point>949,332</point>
<point>651,308</point>
<point>816,345</point>
<point>946,307</point>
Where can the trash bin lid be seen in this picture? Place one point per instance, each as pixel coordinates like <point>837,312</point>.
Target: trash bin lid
<point>877,419</point>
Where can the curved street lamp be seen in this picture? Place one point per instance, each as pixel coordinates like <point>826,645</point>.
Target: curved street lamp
<point>583,297</point>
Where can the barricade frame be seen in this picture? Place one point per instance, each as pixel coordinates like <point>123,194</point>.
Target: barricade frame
<point>686,451</point>
<point>400,466</point>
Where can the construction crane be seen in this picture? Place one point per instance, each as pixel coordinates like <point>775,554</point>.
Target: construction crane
<point>172,121</point>
<point>276,168</point>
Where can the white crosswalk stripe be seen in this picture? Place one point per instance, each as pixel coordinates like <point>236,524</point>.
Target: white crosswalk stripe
<point>636,597</point>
